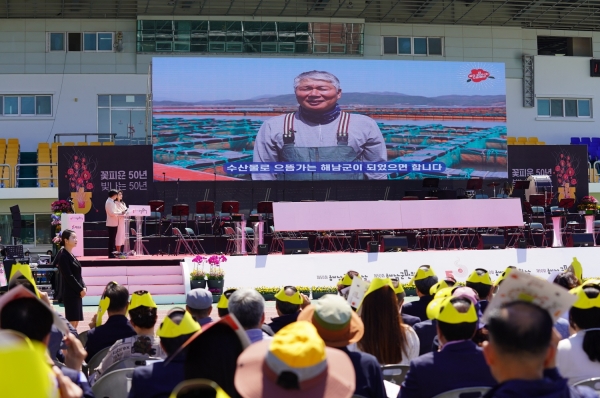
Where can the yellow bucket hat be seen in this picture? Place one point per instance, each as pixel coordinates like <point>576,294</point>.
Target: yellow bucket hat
<point>507,271</point>
<point>397,286</point>
<point>437,300</point>
<point>423,272</point>
<point>483,278</point>
<point>445,312</point>
<point>141,298</point>
<point>293,299</point>
<point>198,385</point>
<point>224,300</point>
<point>170,329</point>
<point>583,301</point>
<point>437,287</point>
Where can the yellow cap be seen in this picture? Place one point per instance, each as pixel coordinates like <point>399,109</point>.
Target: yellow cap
<point>298,345</point>
<point>397,286</point>
<point>293,299</point>
<point>423,272</point>
<point>223,302</point>
<point>446,312</point>
<point>378,283</point>
<point>140,298</point>
<point>347,280</point>
<point>507,271</point>
<point>20,358</point>
<point>437,300</point>
<point>23,270</point>
<point>576,268</point>
<point>483,278</point>
<point>437,287</point>
<point>197,385</point>
<point>583,301</point>
<point>170,329</point>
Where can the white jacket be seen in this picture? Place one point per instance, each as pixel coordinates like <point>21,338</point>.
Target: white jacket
<point>112,217</point>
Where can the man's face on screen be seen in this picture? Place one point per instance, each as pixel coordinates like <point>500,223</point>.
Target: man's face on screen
<point>317,95</point>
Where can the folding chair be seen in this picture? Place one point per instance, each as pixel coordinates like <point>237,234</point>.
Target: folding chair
<point>130,363</point>
<point>594,383</point>
<point>230,234</point>
<point>115,384</point>
<point>182,241</point>
<point>276,241</point>
<point>395,373</point>
<point>195,240</point>
<point>469,392</point>
<point>95,361</point>
<point>83,337</point>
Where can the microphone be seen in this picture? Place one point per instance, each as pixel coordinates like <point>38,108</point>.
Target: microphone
<point>231,208</point>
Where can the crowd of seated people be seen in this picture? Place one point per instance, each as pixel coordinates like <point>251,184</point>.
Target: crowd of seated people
<point>325,348</point>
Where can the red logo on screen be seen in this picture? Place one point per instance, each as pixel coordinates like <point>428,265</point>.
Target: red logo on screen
<point>479,75</point>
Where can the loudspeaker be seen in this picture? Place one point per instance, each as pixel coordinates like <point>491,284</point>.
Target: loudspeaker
<point>372,247</point>
<point>263,250</point>
<point>522,244</point>
<point>391,243</point>
<point>491,242</point>
<point>295,246</point>
<point>583,240</point>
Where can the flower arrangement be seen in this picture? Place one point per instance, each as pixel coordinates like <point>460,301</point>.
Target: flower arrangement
<point>215,291</point>
<point>324,289</point>
<point>198,274</point>
<point>60,206</point>
<point>303,289</point>
<point>267,290</point>
<point>588,203</point>
<point>215,272</point>
<point>56,239</point>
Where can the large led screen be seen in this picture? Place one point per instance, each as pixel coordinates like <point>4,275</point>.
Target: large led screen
<point>327,119</point>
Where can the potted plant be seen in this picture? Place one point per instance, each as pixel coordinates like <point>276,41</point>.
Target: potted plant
<point>268,293</point>
<point>304,290</point>
<point>216,275</point>
<point>588,205</point>
<point>198,275</point>
<point>410,289</point>
<point>58,207</point>
<point>216,294</point>
<point>320,291</point>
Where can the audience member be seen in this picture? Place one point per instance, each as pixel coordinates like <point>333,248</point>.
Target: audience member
<point>30,316</point>
<point>74,289</point>
<point>400,295</point>
<point>199,303</point>
<point>142,316</point>
<point>212,353</point>
<point>288,303</point>
<point>339,326</point>
<point>521,354</point>
<point>459,363</point>
<point>578,357</point>
<point>223,304</point>
<point>296,363</point>
<point>159,379</point>
<point>481,282</point>
<point>344,284</point>
<point>385,336</point>
<point>501,278</point>
<point>424,279</point>
<point>569,281</point>
<point>427,330</point>
<point>116,300</point>
<point>248,307</point>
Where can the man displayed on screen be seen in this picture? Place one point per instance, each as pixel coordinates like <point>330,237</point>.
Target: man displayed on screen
<point>319,132</point>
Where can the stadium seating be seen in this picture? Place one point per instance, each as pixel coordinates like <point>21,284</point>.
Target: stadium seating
<point>511,140</point>
<point>532,140</point>
<point>44,172</point>
<point>13,149</point>
<point>54,159</point>
<point>523,140</point>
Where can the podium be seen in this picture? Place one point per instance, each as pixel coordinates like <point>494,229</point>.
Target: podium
<point>74,222</point>
<point>138,212</point>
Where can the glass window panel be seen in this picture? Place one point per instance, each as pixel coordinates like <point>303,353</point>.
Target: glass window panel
<point>89,42</point>
<point>57,41</point>
<point>43,229</point>
<point>104,100</point>
<point>28,105</point>
<point>27,229</point>
<point>404,46</point>
<point>128,101</point>
<point>119,122</point>
<point>1,108</point>
<point>435,45</point>
<point>182,26</point>
<point>556,108</point>
<point>199,26</point>
<point>164,26</point>
<point>11,105</point>
<point>543,107</point>
<point>286,26</point>
<point>584,107</point>
<point>236,26</point>
<point>420,45</point>
<point>571,108</point>
<point>138,121</point>
<point>389,45</point>
<point>43,105</point>
<point>105,41</point>
<point>103,122</point>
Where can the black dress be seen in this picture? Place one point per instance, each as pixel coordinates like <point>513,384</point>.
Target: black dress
<point>73,285</point>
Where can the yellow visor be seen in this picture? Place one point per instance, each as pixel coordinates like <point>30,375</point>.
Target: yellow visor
<point>293,299</point>
<point>423,272</point>
<point>170,329</point>
<point>476,278</point>
<point>445,311</point>
<point>144,299</point>
<point>583,301</point>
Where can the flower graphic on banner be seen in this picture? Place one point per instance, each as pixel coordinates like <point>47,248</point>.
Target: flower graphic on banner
<point>565,172</point>
<point>80,175</point>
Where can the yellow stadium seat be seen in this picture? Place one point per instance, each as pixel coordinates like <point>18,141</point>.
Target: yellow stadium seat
<point>522,139</point>
<point>541,143</point>
<point>81,143</point>
<point>43,145</point>
<point>532,140</point>
<point>13,141</point>
<point>69,144</point>
<point>95,143</point>
<point>108,143</point>
<point>511,140</point>
<point>56,144</point>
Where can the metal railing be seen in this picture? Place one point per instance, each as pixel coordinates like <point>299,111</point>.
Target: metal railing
<point>38,178</point>
<point>2,184</point>
<point>85,135</point>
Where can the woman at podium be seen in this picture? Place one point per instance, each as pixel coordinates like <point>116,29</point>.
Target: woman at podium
<point>120,208</point>
<point>74,289</point>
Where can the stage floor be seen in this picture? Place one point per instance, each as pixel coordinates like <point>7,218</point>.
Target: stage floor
<point>137,261</point>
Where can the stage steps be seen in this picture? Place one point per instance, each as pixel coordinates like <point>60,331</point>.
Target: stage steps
<point>166,283</point>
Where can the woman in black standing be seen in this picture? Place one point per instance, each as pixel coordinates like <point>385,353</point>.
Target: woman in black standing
<point>74,289</point>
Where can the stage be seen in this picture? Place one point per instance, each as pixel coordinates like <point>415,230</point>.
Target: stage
<point>169,283</point>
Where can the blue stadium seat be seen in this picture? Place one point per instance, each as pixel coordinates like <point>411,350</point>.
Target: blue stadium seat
<point>575,141</point>
<point>586,140</point>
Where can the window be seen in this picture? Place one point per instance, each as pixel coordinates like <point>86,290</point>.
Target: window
<point>123,115</point>
<point>25,105</point>
<point>412,45</point>
<point>249,37</point>
<point>100,41</point>
<point>567,46</point>
<point>564,107</point>
<point>76,41</point>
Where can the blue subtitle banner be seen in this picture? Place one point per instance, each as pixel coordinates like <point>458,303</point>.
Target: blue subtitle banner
<point>333,167</point>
